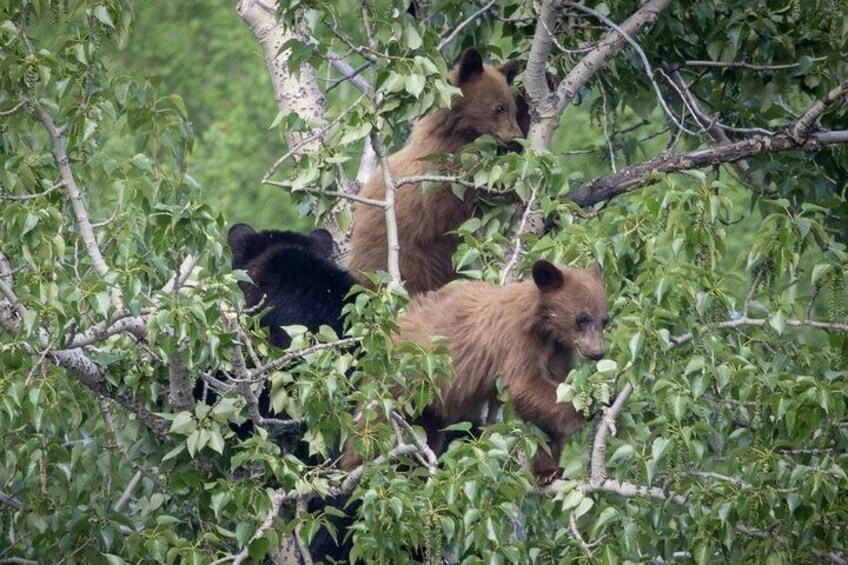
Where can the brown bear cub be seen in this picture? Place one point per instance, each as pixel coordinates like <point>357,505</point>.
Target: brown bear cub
<point>487,106</point>
<point>528,333</point>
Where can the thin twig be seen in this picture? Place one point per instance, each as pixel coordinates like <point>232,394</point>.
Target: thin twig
<point>13,109</point>
<point>648,70</point>
<point>25,197</point>
<point>747,66</point>
<point>463,24</point>
<point>516,237</point>
<point>746,321</point>
<point>292,355</point>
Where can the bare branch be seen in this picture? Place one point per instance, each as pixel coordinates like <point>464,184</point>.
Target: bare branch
<point>805,123</point>
<point>575,531</point>
<point>612,486</point>
<point>515,236</point>
<point>706,122</point>
<point>463,24</point>
<point>17,561</point>
<point>59,144</point>
<point>647,173</point>
<point>747,66</point>
<point>179,382</point>
<point>434,178</point>
<point>298,148</point>
<point>25,197</point>
<point>746,321</point>
<point>181,276</point>
<point>550,107</point>
<point>648,70</point>
<point>13,109</point>
<point>292,355</point>
<point>539,93</point>
<point>430,457</point>
<point>128,492</point>
<point>597,461</point>
<point>277,500</point>
<point>355,475</point>
<point>9,500</point>
<point>393,262</point>
<point>336,193</point>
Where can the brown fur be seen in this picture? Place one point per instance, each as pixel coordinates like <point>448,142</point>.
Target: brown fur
<point>525,332</point>
<point>425,218</point>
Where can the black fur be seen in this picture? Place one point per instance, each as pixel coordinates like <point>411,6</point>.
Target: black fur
<point>296,276</point>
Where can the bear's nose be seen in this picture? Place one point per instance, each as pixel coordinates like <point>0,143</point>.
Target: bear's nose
<point>597,355</point>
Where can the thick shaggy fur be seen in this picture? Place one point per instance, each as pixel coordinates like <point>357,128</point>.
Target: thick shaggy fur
<point>296,281</point>
<point>293,276</point>
<point>486,106</point>
<point>526,332</point>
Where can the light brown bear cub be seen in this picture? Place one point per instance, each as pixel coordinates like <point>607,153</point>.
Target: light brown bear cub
<point>528,333</point>
<point>487,106</point>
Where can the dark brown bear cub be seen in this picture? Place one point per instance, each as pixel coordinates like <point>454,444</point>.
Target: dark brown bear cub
<point>528,333</point>
<point>487,106</point>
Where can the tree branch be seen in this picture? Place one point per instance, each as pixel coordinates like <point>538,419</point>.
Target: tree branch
<point>462,25</point>
<point>550,107</point>
<point>298,93</point>
<point>806,122</point>
<point>393,262</point>
<point>597,461</point>
<point>58,144</point>
<point>11,501</point>
<point>746,321</point>
<point>516,234</point>
<point>645,62</point>
<point>647,173</point>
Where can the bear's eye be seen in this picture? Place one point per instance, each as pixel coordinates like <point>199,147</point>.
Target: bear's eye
<point>499,109</point>
<point>583,320</point>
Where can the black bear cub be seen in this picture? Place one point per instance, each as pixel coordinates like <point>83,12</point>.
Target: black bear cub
<point>295,282</point>
<point>294,278</point>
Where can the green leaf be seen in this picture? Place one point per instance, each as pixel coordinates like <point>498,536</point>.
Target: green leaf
<point>778,322</point>
<point>103,16</point>
<point>695,364</point>
<point>183,424</point>
<point>415,84</point>
<point>413,40</point>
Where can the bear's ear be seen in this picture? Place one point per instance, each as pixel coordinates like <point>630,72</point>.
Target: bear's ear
<point>238,239</point>
<point>511,69</point>
<point>470,64</point>
<point>547,276</point>
<point>323,242</point>
<point>596,271</point>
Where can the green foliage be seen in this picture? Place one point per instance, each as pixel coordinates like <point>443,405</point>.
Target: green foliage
<point>739,401</point>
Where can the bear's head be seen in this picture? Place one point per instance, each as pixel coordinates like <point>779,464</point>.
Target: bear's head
<point>487,104</point>
<point>572,307</point>
<point>248,244</point>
